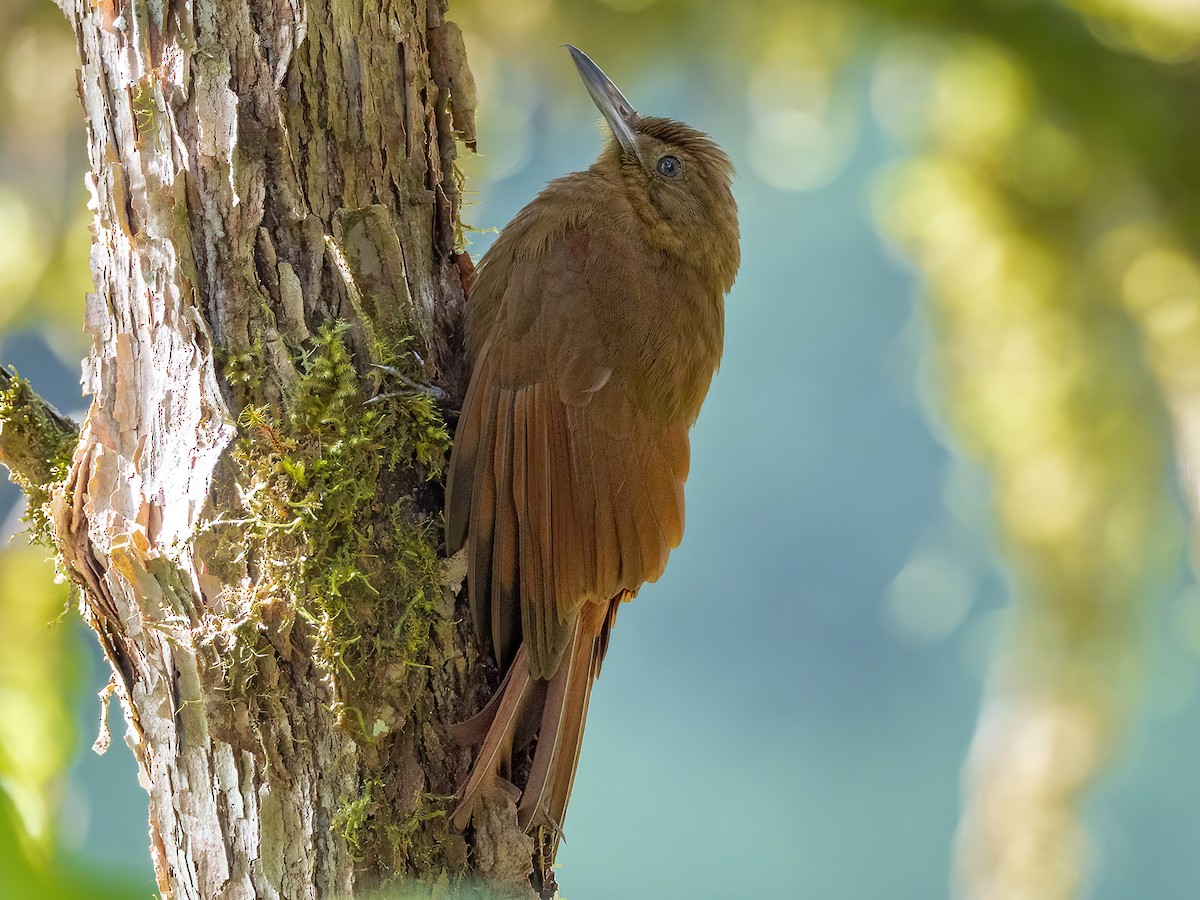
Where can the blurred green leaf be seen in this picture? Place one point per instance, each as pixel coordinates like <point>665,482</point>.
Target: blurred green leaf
<point>39,675</point>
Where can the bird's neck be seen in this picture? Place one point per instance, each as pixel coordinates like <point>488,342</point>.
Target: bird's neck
<point>708,248</point>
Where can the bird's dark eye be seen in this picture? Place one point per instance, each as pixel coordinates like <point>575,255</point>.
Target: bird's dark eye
<point>668,167</point>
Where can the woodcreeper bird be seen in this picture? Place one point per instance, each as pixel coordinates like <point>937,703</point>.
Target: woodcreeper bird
<point>594,327</point>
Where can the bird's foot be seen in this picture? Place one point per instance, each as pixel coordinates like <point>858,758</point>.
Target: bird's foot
<point>410,387</point>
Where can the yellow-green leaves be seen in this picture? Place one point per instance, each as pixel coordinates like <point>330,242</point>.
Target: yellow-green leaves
<point>39,672</point>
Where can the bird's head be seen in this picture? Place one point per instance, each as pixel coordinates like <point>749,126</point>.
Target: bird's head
<point>677,178</point>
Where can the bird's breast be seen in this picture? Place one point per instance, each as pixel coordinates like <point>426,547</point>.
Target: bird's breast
<point>675,347</point>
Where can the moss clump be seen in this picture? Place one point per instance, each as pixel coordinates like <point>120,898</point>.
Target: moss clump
<point>333,531</point>
<point>354,819</point>
<point>404,838</point>
<point>364,828</point>
<point>242,370</point>
<point>37,444</point>
<point>239,650</point>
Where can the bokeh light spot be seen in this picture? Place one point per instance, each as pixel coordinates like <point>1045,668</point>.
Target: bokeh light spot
<point>929,598</point>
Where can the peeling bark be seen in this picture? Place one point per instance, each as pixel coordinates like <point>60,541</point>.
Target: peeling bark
<point>259,170</point>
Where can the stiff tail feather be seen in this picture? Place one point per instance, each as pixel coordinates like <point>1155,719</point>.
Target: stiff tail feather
<point>555,708</point>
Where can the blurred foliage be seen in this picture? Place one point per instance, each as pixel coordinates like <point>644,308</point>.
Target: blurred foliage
<point>39,672</point>
<point>1051,202</point>
<point>1053,210</point>
<point>41,663</point>
<point>44,242</point>
<point>1001,213</point>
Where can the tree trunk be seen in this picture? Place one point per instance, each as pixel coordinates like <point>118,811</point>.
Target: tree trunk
<point>275,210</point>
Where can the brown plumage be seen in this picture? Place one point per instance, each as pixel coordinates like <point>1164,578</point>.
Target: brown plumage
<point>595,325</point>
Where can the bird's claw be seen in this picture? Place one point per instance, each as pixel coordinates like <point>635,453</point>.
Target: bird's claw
<point>412,387</point>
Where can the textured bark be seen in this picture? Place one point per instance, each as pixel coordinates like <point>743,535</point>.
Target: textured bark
<point>259,169</point>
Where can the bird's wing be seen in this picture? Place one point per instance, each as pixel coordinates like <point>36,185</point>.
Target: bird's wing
<point>563,488</point>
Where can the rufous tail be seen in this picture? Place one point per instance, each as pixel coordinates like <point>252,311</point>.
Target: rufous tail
<point>554,710</point>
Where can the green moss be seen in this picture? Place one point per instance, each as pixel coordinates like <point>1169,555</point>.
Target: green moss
<point>239,648</point>
<point>242,370</point>
<point>405,838</point>
<point>363,823</point>
<point>42,451</point>
<point>333,533</point>
<point>335,552</point>
<point>354,821</point>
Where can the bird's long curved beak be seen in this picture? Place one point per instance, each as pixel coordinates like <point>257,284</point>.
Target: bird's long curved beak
<point>609,100</point>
